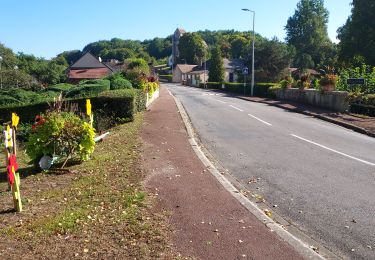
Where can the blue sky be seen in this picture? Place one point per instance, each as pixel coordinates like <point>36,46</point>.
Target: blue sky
<point>47,27</point>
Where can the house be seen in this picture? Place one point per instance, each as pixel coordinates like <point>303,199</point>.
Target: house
<point>88,67</point>
<point>232,69</point>
<point>180,72</point>
<point>195,77</point>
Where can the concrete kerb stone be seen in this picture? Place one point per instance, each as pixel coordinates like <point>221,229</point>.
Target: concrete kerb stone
<point>295,242</point>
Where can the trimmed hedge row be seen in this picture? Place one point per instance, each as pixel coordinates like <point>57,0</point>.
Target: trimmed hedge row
<point>362,109</point>
<point>167,78</point>
<point>122,104</point>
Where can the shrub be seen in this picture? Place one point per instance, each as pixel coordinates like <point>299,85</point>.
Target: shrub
<point>61,134</point>
<point>62,87</point>
<point>117,81</point>
<point>365,71</point>
<point>369,99</point>
<point>89,88</point>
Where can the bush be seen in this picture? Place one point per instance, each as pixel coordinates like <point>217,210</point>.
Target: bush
<point>89,88</point>
<point>365,71</point>
<point>369,99</point>
<point>22,96</point>
<point>362,109</point>
<point>61,134</point>
<point>117,81</point>
<point>62,87</point>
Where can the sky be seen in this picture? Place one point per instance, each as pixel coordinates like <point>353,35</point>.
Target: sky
<point>46,28</point>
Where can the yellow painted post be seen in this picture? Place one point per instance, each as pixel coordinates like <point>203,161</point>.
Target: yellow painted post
<point>89,112</point>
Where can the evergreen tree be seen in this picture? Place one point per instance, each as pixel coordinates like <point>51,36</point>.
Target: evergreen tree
<point>307,32</point>
<point>216,73</point>
<point>357,36</point>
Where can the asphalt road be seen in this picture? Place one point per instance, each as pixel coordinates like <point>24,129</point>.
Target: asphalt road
<point>320,176</point>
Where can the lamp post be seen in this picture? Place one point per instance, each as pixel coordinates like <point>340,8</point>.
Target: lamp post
<point>252,67</point>
<point>1,73</point>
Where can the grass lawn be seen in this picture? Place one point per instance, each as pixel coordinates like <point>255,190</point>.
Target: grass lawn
<point>98,209</point>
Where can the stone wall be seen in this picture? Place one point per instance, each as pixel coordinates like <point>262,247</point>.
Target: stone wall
<point>335,100</point>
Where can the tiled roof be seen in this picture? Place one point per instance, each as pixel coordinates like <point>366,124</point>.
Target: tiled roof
<point>94,73</point>
<point>185,68</point>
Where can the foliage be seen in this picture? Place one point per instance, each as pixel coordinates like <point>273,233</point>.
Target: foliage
<point>307,32</point>
<point>61,87</point>
<point>328,79</point>
<point>118,81</point>
<point>192,48</point>
<point>89,88</point>
<point>216,72</point>
<point>272,58</point>
<point>61,134</point>
<point>137,71</point>
<point>357,36</point>
<point>287,82</point>
<point>23,96</point>
<point>365,71</point>
<point>159,47</point>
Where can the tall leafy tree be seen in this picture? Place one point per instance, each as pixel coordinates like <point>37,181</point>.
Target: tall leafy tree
<point>216,72</point>
<point>192,48</point>
<point>306,31</point>
<point>357,36</point>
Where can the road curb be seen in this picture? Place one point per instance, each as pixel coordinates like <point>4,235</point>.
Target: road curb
<point>292,240</point>
<point>324,118</point>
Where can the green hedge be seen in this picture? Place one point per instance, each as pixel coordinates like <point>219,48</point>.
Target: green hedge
<point>122,104</point>
<point>362,109</point>
<point>167,78</point>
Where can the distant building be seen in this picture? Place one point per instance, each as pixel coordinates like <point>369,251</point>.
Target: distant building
<point>175,41</point>
<point>88,67</point>
<point>180,72</point>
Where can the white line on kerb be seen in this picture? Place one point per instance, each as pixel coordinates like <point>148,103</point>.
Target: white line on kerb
<point>332,150</point>
<point>236,108</point>
<point>264,122</point>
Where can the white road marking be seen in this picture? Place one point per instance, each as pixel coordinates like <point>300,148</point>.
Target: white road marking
<point>264,122</point>
<point>221,101</point>
<point>236,108</point>
<point>332,150</point>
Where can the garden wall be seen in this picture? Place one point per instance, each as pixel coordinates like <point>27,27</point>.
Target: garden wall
<point>336,100</point>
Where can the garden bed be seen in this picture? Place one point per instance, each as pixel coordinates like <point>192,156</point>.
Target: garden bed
<point>98,209</point>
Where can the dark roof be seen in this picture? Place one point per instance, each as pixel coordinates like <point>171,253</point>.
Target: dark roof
<point>88,61</point>
<point>233,64</point>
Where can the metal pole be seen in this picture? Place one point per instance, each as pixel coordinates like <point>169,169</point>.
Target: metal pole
<point>205,70</point>
<point>244,84</point>
<point>252,70</point>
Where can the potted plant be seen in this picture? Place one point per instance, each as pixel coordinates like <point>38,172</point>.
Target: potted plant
<point>304,82</point>
<point>328,82</point>
<point>286,83</point>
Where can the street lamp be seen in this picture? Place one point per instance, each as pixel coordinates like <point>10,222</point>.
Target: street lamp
<point>252,68</point>
<point>1,73</point>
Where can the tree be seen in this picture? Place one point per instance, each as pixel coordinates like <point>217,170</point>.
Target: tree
<point>272,57</point>
<point>192,48</point>
<point>307,32</point>
<point>238,46</point>
<point>216,73</point>
<point>357,36</point>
